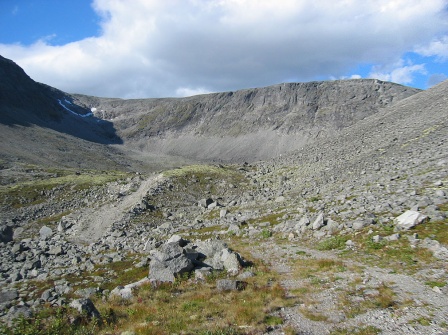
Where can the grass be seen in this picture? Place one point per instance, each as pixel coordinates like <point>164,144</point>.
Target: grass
<point>435,283</point>
<point>399,256</point>
<point>52,321</point>
<point>185,306</point>
<point>366,330</point>
<point>353,307</point>
<point>423,321</point>
<point>35,190</point>
<point>272,218</point>
<point>334,242</point>
<point>196,307</point>
<point>310,267</point>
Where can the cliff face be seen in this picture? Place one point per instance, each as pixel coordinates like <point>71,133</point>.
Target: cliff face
<point>247,124</point>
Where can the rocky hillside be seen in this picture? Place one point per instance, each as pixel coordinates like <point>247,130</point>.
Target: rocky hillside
<point>345,233</point>
<point>248,124</point>
<point>40,124</point>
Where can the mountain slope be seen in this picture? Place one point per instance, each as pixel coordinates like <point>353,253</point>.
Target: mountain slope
<point>248,124</point>
<point>41,125</point>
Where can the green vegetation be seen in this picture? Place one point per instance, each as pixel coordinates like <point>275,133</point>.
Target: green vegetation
<point>185,305</point>
<point>53,321</point>
<point>335,242</point>
<point>367,330</point>
<point>53,183</point>
<point>385,298</point>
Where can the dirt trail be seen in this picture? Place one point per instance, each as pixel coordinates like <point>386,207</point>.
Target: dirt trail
<point>92,223</point>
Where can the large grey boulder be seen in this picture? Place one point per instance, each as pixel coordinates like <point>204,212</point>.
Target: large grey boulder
<point>126,292</point>
<point>409,219</point>
<point>215,254</point>
<point>85,306</point>
<point>204,203</point>
<point>6,234</point>
<point>18,311</point>
<point>318,222</point>
<point>169,262</point>
<point>229,285</point>
<point>45,232</point>
<point>9,295</point>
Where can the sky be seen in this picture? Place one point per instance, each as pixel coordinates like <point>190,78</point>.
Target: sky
<point>174,48</point>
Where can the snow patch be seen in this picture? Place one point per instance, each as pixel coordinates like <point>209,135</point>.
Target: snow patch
<point>69,110</point>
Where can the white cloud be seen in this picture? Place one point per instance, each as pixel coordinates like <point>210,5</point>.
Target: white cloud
<point>188,92</point>
<point>151,48</point>
<point>398,72</point>
<point>437,47</point>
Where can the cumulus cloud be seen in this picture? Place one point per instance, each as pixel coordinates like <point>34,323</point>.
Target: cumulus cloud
<point>437,47</point>
<point>399,72</point>
<point>153,48</point>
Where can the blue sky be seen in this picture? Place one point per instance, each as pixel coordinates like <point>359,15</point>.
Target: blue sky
<point>157,48</point>
<point>58,21</point>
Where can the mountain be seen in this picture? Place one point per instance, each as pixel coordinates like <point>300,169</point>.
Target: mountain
<point>249,124</point>
<point>40,124</point>
<point>340,228</point>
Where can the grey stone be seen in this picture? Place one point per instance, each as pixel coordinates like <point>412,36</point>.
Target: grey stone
<point>393,237</point>
<point>205,202</point>
<point>377,238</point>
<point>122,292</point>
<point>440,193</point>
<point>19,311</point>
<point>45,232</point>
<point>202,273</point>
<point>229,285</point>
<point>167,269</point>
<point>10,295</point>
<point>318,222</point>
<point>233,228</point>
<point>409,219</point>
<point>358,225</point>
<point>6,234</point>
<point>87,292</point>
<point>230,261</point>
<point>245,275</point>
<point>56,251</point>
<point>85,306</point>
<point>177,239</point>
<point>222,213</point>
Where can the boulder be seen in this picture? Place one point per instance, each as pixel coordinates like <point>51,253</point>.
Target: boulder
<point>409,219</point>
<point>318,222</point>
<point>7,296</point>
<point>45,232</point>
<point>126,292</point>
<point>19,311</point>
<point>85,306</point>
<point>6,234</point>
<point>205,202</point>
<point>168,271</point>
<point>222,213</point>
<point>177,239</point>
<point>230,262</point>
<point>230,285</point>
<point>169,262</point>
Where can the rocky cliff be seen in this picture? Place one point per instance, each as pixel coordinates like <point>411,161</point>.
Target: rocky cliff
<point>249,124</point>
